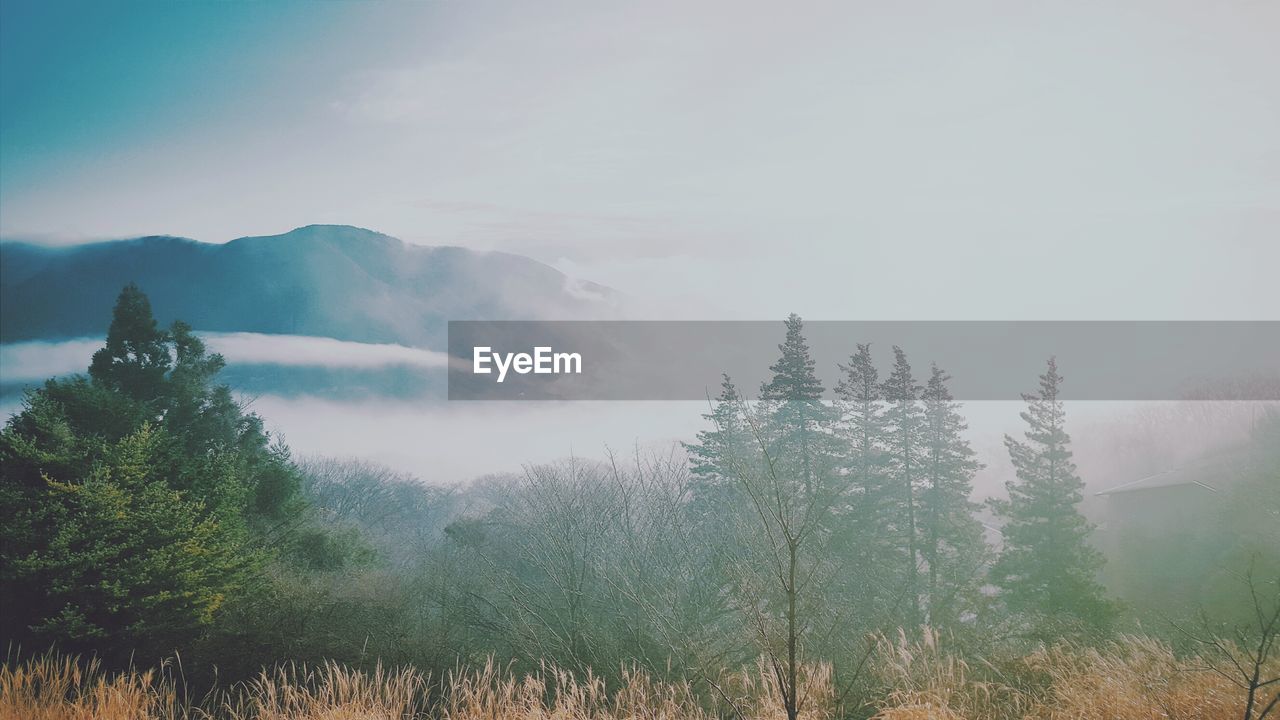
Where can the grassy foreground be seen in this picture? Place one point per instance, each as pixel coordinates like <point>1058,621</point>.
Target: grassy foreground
<point>1132,679</point>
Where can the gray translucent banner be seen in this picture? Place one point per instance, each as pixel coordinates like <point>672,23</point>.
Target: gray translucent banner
<point>988,360</point>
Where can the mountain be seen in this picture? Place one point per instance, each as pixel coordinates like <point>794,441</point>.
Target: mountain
<point>325,280</point>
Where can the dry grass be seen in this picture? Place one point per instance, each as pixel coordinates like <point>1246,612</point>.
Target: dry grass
<point>60,688</point>
<point>491,693</point>
<point>330,692</point>
<point>920,679</point>
<point>756,695</point>
<point>1133,678</point>
<point>551,694</point>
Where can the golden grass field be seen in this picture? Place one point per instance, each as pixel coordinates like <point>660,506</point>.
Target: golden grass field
<point>1133,678</point>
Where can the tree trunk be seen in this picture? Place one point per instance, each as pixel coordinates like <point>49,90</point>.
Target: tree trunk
<point>791,696</point>
<point>913,568</point>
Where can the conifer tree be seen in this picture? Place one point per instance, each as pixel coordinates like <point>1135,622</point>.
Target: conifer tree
<point>797,420</point>
<point>794,380</point>
<point>726,432</point>
<point>862,409</point>
<point>1046,570</point>
<point>951,536</point>
<point>865,528</point>
<point>136,356</point>
<point>137,503</point>
<point>904,442</point>
<point>114,560</point>
<point>715,451</point>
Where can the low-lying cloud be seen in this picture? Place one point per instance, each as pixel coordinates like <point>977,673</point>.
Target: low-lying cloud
<point>319,351</point>
<point>40,359</point>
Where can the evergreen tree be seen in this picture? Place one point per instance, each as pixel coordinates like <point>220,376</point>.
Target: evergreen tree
<point>865,528</point>
<point>794,379</point>
<point>1046,570</point>
<point>136,357</point>
<point>951,536</point>
<point>137,501</point>
<point>861,402</point>
<point>190,387</point>
<point>904,441</point>
<point>103,555</point>
<point>798,423</point>
<point>715,453</point>
<point>708,456</point>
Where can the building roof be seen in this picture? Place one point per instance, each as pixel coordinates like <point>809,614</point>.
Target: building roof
<point>1212,473</point>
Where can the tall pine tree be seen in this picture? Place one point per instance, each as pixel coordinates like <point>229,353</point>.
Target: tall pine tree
<point>861,403</point>
<point>798,422</point>
<point>865,527</point>
<point>794,380</point>
<point>950,535</point>
<point>1046,570</point>
<point>904,442</point>
<point>713,456</point>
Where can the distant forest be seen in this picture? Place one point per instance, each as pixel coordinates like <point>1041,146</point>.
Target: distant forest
<point>832,550</point>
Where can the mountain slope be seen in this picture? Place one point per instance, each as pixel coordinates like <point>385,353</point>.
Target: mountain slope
<point>325,280</point>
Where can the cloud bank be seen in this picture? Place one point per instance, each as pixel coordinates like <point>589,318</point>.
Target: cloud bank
<point>40,359</point>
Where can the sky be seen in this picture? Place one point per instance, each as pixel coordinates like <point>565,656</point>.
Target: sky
<point>846,160</point>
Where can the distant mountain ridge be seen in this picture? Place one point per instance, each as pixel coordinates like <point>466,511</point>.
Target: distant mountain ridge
<point>326,280</point>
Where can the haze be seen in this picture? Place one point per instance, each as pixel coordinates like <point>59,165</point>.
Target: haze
<point>723,159</point>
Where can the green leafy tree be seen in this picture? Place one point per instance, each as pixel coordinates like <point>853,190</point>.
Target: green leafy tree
<point>1046,570</point>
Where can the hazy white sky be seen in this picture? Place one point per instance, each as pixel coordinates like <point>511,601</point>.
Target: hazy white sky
<point>845,160</point>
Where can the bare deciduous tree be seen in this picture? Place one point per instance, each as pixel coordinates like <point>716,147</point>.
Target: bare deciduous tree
<point>785,559</point>
<point>1246,657</point>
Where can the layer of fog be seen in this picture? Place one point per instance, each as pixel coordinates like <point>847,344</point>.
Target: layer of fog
<point>39,359</point>
<point>449,443</point>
